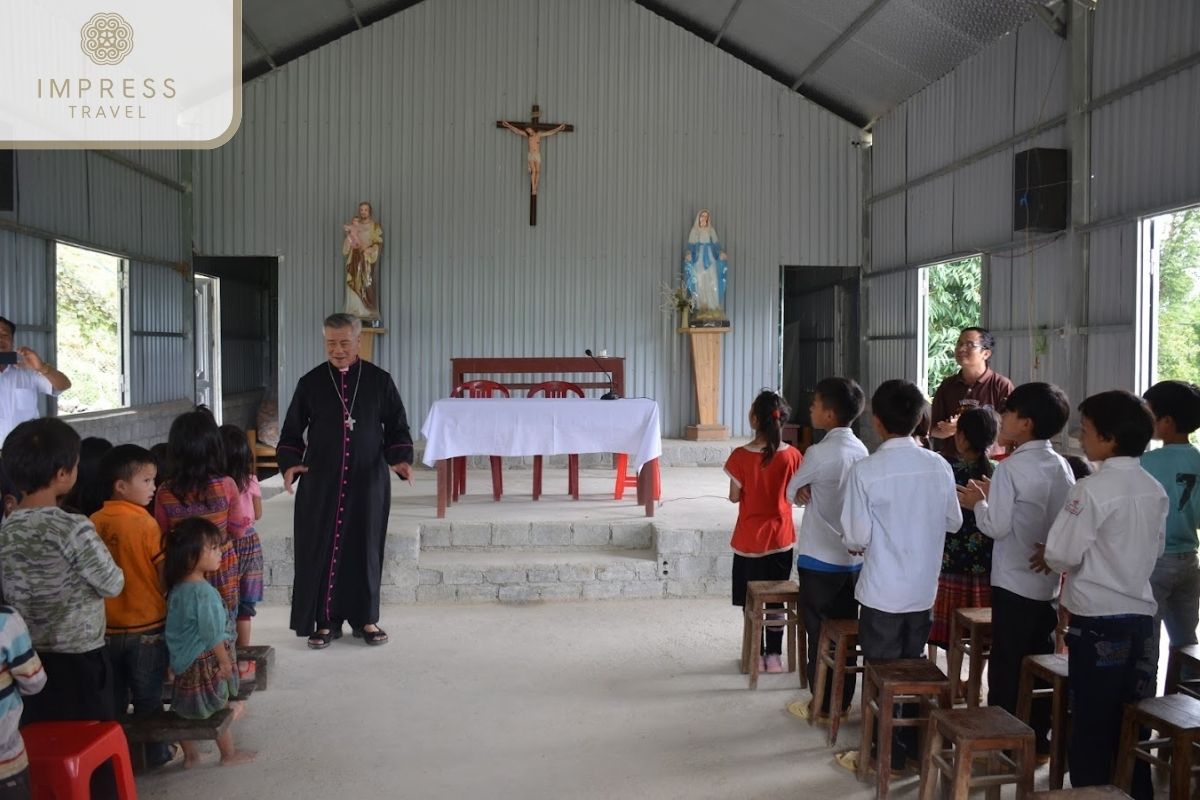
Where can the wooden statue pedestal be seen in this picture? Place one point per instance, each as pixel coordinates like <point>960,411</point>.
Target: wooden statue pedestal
<point>706,367</point>
<point>366,344</point>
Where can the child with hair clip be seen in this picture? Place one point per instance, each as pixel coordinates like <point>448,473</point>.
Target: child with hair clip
<point>966,577</point>
<point>198,487</point>
<point>239,466</point>
<point>200,635</point>
<point>764,534</point>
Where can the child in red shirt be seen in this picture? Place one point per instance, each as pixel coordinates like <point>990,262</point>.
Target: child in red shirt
<point>764,534</point>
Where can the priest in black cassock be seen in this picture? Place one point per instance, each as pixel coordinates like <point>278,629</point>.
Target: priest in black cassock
<point>357,431</point>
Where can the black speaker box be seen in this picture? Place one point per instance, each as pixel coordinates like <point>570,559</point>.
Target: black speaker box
<point>8,180</point>
<point>1042,190</point>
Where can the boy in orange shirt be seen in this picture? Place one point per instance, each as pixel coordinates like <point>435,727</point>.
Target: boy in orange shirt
<point>135,618</point>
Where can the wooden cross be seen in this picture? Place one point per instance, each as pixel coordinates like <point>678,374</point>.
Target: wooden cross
<point>534,131</point>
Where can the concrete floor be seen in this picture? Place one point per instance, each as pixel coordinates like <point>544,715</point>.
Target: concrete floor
<point>618,699</point>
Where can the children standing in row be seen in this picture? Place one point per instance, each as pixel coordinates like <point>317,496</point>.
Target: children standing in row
<point>1176,465</point>
<point>764,534</point>
<point>1107,539</point>
<point>137,616</point>
<point>239,467</point>
<point>1016,509</point>
<point>900,501</point>
<point>966,579</point>
<point>198,487</point>
<point>200,635</point>
<point>55,569</point>
<point>828,572</point>
<point>21,674</point>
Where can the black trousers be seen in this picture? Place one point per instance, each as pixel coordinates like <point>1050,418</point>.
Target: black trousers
<point>1112,662</point>
<point>773,567</point>
<point>1020,627</point>
<point>827,595</point>
<point>883,635</point>
<point>16,787</point>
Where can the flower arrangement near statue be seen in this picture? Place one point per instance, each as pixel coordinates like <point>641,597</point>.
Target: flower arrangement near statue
<point>678,300</point>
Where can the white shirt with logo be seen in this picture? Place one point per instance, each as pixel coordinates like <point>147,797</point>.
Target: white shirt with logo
<point>1107,539</point>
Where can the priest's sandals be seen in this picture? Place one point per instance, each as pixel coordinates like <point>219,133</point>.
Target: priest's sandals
<point>375,637</point>
<point>323,638</point>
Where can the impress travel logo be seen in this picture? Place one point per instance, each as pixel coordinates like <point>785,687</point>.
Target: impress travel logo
<point>131,74</point>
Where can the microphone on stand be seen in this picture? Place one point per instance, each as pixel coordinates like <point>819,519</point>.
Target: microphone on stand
<point>610,395</point>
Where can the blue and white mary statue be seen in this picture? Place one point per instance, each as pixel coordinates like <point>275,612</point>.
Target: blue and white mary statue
<point>705,267</point>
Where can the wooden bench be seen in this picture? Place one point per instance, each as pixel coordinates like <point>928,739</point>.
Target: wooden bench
<point>506,370</point>
<point>263,656</point>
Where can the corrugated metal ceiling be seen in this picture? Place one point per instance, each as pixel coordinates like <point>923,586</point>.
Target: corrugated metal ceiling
<point>858,58</point>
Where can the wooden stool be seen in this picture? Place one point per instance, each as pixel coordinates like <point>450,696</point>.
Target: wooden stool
<point>887,683</point>
<point>1051,669</point>
<point>838,641</point>
<point>970,635</point>
<point>1178,658</point>
<point>988,731</point>
<point>63,756</point>
<point>1176,717</point>
<point>758,594</point>
<point>1084,793</point>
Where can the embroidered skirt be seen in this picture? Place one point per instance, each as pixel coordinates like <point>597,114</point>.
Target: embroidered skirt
<point>957,591</point>
<point>250,572</point>
<point>200,691</point>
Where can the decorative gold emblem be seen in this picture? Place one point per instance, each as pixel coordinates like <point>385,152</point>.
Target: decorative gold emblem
<point>106,38</point>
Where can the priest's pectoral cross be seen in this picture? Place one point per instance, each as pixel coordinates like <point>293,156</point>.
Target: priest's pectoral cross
<point>350,422</point>
<point>534,132</point>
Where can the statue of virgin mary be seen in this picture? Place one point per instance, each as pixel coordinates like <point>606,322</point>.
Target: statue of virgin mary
<point>705,268</point>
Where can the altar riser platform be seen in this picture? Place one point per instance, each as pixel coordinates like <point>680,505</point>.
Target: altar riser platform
<point>556,548</point>
<point>523,562</point>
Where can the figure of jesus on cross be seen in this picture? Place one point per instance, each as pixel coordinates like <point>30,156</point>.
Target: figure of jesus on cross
<point>534,131</point>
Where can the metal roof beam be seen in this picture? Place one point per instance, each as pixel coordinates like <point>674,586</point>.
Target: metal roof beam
<point>253,37</point>
<point>839,42</point>
<point>354,13</point>
<point>728,19</point>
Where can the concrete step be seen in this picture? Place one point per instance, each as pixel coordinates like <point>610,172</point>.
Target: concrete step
<point>533,536</point>
<point>480,576</point>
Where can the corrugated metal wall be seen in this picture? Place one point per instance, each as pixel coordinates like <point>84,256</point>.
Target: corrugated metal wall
<point>942,187</point>
<point>92,200</point>
<point>403,113</point>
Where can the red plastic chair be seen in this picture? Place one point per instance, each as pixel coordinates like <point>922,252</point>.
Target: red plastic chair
<point>626,479</point>
<point>63,756</point>
<point>557,389</point>
<point>458,470</point>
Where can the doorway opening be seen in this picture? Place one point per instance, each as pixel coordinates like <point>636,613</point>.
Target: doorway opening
<point>819,335</point>
<point>244,367</point>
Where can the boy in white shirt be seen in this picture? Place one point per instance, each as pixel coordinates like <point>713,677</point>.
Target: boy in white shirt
<point>900,501</point>
<point>1016,509</point>
<point>826,570</point>
<point>1107,539</point>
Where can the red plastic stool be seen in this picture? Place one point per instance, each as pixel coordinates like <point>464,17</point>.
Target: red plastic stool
<point>626,479</point>
<point>63,756</point>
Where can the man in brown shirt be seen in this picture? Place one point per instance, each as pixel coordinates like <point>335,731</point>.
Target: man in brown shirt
<point>974,381</point>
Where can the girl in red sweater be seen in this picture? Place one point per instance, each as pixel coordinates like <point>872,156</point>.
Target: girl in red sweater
<point>764,534</point>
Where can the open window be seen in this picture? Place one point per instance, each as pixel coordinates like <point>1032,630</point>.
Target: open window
<point>92,328</point>
<point>951,299</point>
<point>1168,320</point>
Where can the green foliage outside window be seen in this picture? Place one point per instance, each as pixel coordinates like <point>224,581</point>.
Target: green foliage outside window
<point>1179,299</point>
<point>954,303</point>
<point>89,329</point>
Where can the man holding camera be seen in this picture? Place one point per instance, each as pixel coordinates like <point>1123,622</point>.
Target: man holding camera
<point>23,376</point>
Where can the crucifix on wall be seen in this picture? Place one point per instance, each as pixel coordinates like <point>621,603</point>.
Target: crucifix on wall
<point>534,132</point>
